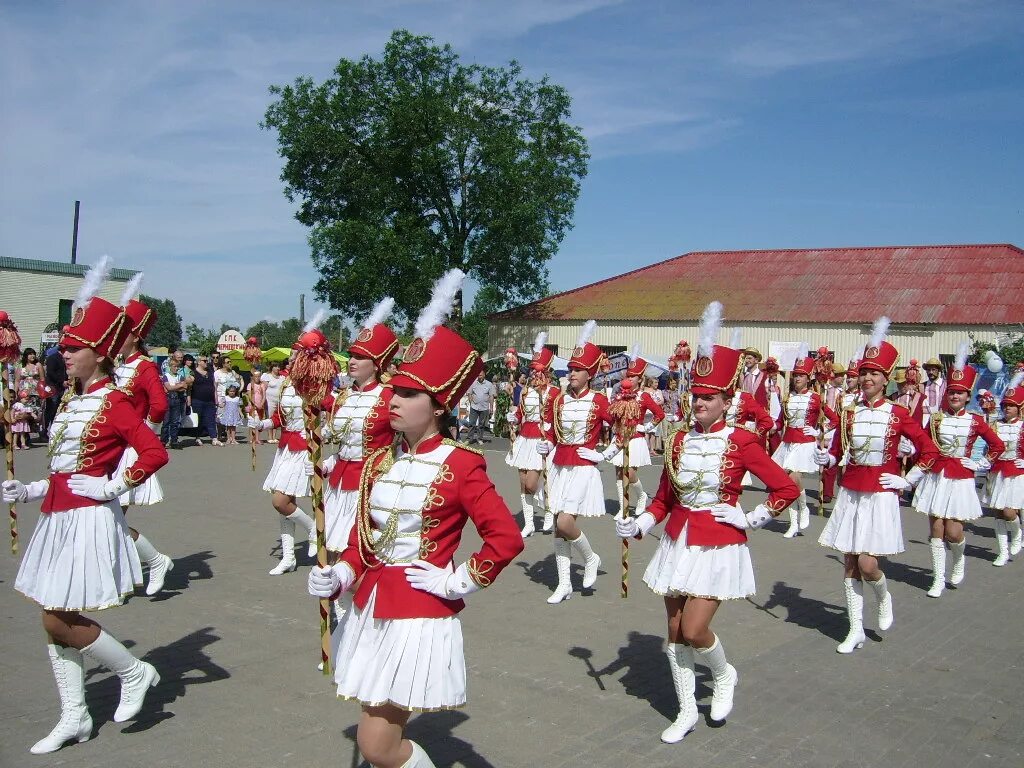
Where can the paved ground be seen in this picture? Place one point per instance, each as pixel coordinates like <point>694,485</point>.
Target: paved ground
<point>583,683</point>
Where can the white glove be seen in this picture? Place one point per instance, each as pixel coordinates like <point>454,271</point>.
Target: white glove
<point>610,451</point>
<point>544,447</point>
<point>906,447</point>
<point>259,424</point>
<point>99,488</point>
<point>984,464</point>
<point>15,491</point>
<point>1018,463</point>
<point>329,463</point>
<point>589,454</point>
<point>671,418</point>
<point>512,417</point>
<point>307,468</point>
<point>893,482</point>
<point>730,515</point>
<point>326,581</point>
<point>443,582</point>
<point>154,426</point>
<point>759,517</point>
<point>970,464</point>
<point>914,476</point>
<point>811,431</point>
<point>634,527</point>
<point>641,429</point>
<point>823,458</point>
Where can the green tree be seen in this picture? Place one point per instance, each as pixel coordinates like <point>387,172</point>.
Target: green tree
<point>474,325</point>
<point>167,329</point>
<point>410,164</point>
<point>1012,353</point>
<point>200,338</point>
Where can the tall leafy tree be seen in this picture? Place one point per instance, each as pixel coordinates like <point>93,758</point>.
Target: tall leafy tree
<point>412,163</point>
<point>167,329</point>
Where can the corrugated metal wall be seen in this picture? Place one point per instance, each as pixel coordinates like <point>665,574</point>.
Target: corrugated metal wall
<point>918,341</point>
<point>32,299</point>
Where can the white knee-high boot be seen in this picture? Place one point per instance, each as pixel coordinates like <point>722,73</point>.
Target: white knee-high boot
<point>680,664</point>
<point>622,498</point>
<point>794,523</point>
<point>855,610</point>
<point>591,562</point>
<point>881,589</point>
<point>1015,536</point>
<point>75,722</point>
<point>938,549</point>
<point>301,518</point>
<point>137,677</point>
<point>636,490</point>
<point>957,570</point>
<point>528,526</point>
<point>724,676</point>
<point>562,566</point>
<point>805,511</point>
<point>419,758</point>
<point>1002,543</point>
<point>159,564</point>
<point>287,548</point>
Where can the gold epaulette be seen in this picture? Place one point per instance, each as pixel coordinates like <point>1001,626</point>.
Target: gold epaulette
<point>456,444</point>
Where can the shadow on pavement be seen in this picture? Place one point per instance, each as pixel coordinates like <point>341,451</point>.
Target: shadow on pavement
<point>180,664</point>
<point>646,677</point>
<point>194,567</point>
<point>433,732</point>
<point>807,612</point>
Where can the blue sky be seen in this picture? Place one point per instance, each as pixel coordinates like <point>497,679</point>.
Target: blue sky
<point>712,126</point>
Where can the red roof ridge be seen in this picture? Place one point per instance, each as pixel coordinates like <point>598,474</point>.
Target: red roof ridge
<point>781,251</point>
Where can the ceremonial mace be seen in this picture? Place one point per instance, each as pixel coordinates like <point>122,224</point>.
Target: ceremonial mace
<point>253,355</point>
<point>311,373</point>
<point>10,350</point>
<point>822,374</point>
<point>626,410</point>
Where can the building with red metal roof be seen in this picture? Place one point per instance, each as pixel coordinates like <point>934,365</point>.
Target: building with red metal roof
<point>935,295</point>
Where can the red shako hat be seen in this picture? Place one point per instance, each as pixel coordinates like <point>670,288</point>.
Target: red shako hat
<point>715,372</point>
<point>375,340</point>
<point>879,355</point>
<point>439,361</point>
<point>141,318</point>
<point>95,322</point>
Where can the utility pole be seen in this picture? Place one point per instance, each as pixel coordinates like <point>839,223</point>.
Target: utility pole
<point>302,310</point>
<point>74,234</point>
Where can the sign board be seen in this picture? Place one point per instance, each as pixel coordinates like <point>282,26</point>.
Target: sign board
<point>619,362</point>
<point>48,338</point>
<point>230,340</point>
<point>786,352</point>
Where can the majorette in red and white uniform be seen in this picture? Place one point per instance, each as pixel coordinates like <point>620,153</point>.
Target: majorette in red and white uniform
<point>573,421</point>
<point>865,522</point>
<point>650,417</point>
<point>289,475</point>
<point>1004,490</point>
<point>703,555</point>
<point>81,556</point>
<point>534,400</point>
<point>402,645</point>
<point>836,400</point>
<point>139,377</point>
<point>798,425</point>
<point>359,423</point>
<point>947,494</point>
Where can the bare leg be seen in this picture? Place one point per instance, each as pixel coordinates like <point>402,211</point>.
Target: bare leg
<point>379,736</point>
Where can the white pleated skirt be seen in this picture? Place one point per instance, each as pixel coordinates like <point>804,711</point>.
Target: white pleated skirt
<point>339,516</point>
<point>864,523</point>
<point>639,454</point>
<point>576,490</point>
<point>524,454</point>
<point>796,457</point>
<point>80,560</point>
<point>722,572</point>
<point>415,664</point>
<point>150,492</point>
<point>940,496</point>
<point>1002,492</point>
<point>288,473</point>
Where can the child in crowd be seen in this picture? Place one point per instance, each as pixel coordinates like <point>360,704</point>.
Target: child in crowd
<point>232,416</point>
<point>23,414</point>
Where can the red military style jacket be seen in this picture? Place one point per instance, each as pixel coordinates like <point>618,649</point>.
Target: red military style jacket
<point>532,410</point>
<point>804,410</point>
<point>955,435</point>
<point>703,469</point>
<point>361,423</point>
<point>139,377</point>
<point>575,422</point>
<point>414,505</point>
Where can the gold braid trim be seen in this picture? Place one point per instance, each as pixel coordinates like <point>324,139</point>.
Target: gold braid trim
<point>372,469</point>
<point>478,570</point>
<point>463,446</point>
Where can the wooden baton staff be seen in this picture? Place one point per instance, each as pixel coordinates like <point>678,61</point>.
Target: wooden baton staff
<point>312,371</point>
<point>253,355</point>
<point>10,350</point>
<point>626,411</point>
<point>624,587</point>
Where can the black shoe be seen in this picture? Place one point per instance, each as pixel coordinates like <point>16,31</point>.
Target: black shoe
<point>175,446</point>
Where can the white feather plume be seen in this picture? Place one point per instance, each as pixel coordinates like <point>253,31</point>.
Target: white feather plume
<point>1016,381</point>
<point>380,312</point>
<point>94,279</point>
<point>736,338</point>
<point>878,332</point>
<point>801,353</point>
<point>315,321</point>
<point>539,342</point>
<point>635,353</point>
<point>710,323</point>
<point>132,289</point>
<point>588,331</point>
<point>961,356</point>
<point>445,289</point>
